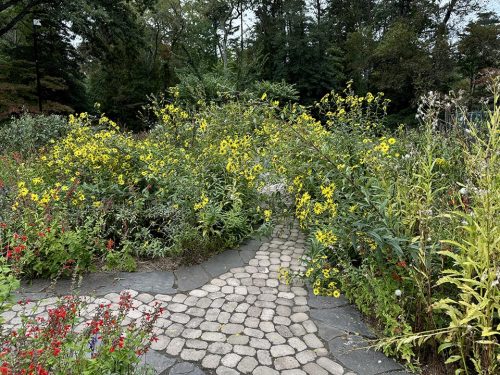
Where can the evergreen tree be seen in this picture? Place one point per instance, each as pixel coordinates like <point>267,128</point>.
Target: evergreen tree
<point>479,49</point>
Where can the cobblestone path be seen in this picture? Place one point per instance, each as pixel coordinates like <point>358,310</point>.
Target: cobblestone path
<point>246,321</point>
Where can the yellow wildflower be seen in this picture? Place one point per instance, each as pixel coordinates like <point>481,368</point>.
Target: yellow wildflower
<point>267,215</point>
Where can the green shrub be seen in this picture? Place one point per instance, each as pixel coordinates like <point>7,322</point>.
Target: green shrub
<point>29,132</point>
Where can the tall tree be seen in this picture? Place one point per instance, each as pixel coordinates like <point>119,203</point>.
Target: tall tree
<point>61,80</point>
<point>479,48</point>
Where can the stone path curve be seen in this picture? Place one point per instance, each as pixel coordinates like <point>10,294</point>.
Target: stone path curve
<point>246,321</point>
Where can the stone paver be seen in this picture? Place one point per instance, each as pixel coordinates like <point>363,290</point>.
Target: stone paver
<point>231,315</point>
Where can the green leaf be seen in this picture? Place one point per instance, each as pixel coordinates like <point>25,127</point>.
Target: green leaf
<point>453,358</point>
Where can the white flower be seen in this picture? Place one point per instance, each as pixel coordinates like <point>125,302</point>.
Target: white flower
<point>463,191</point>
<point>398,293</point>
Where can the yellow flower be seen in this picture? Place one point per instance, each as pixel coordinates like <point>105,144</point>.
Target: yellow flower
<point>267,215</point>
<point>391,141</point>
<point>316,291</point>
<point>325,237</point>
<point>327,191</point>
<point>440,161</point>
<point>121,181</point>
<point>318,208</point>
<point>336,294</point>
<point>202,203</point>
<point>34,197</point>
<point>203,125</point>
<point>23,192</point>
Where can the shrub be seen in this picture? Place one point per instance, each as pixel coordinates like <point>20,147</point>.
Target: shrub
<point>184,189</point>
<point>28,133</point>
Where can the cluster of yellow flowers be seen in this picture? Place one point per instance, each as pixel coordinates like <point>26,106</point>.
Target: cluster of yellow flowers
<point>202,203</point>
<point>325,237</point>
<point>384,145</point>
<point>88,154</point>
<point>322,275</point>
<point>284,275</point>
<point>305,204</point>
<point>240,153</point>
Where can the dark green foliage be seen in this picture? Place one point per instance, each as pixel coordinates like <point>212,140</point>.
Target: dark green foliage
<point>117,53</point>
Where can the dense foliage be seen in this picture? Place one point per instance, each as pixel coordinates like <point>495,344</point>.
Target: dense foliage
<point>404,223</point>
<point>118,52</point>
<point>210,128</point>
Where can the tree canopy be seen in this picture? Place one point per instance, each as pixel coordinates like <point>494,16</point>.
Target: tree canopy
<point>117,52</point>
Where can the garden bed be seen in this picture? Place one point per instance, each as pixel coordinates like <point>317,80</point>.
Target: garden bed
<point>404,222</point>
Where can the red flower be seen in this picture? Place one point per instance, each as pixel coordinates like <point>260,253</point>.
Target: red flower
<point>3,225</point>
<point>110,244</point>
<point>4,369</point>
<point>401,263</point>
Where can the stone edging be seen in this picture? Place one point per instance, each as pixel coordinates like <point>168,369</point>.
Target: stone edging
<point>164,282</point>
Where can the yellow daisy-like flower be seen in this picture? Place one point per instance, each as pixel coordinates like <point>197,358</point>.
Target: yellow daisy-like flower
<point>391,141</point>
<point>267,215</point>
<point>318,208</point>
<point>336,294</point>
<point>23,192</point>
<point>121,180</point>
<point>327,191</point>
<point>316,291</point>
